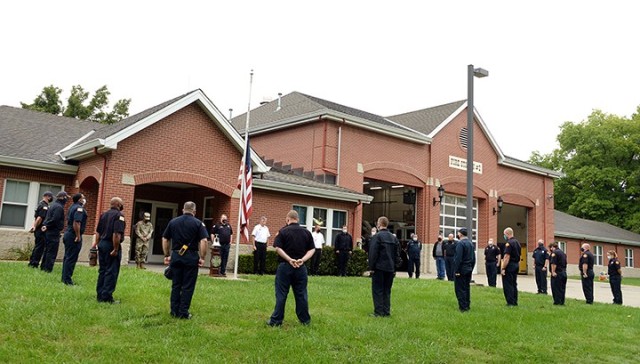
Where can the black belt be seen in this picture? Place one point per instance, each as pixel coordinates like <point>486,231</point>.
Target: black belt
<point>261,242</point>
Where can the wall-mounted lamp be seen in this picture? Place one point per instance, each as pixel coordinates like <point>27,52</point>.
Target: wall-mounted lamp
<point>500,203</point>
<point>440,195</point>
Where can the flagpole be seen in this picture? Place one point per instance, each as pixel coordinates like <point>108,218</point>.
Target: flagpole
<point>244,179</point>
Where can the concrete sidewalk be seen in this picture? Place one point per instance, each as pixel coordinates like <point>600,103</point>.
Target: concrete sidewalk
<point>527,283</point>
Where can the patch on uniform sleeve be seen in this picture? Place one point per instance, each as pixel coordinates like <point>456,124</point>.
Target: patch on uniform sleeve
<point>203,224</point>
<point>121,218</point>
<point>584,255</point>
<point>507,244</point>
<point>618,263</point>
<point>553,254</point>
<point>45,207</point>
<point>80,209</point>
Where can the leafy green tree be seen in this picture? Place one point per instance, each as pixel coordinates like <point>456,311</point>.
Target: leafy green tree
<point>77,107</point>
<point>600,160</point>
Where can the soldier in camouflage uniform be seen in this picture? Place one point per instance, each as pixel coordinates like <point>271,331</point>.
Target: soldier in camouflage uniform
<point>144,230</point>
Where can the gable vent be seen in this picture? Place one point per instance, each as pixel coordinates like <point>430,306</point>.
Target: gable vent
<point>464,137</point>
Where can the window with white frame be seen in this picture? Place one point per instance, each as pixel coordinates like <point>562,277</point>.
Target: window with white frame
<point>19,199</point>
<point>628,258</point>
<point>562,245</point>
<point>453,215</point>
<point>597,253</point>
<point>331,220</point>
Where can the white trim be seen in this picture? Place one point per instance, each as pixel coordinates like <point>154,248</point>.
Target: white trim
<point>310,191</point>
<point>76,142</point>
<point>595,238</point>
<point>38,165</point>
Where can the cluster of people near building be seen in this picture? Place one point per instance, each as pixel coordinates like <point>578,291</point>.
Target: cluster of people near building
<point>184,242</point>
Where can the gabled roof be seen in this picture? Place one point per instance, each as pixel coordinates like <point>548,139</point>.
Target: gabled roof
<point>279,181</point>
<point>568,226</point>
<point>297,108</point>
<point>107,138</point>
<point>31,139</point>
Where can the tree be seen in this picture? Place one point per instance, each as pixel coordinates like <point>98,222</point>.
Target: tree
<point>77,107</point>
<point>600,161</point>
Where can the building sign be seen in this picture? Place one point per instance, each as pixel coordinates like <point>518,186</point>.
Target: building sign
<point>461,163</point>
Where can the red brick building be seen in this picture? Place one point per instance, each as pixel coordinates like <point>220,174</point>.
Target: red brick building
<point>328,161</point>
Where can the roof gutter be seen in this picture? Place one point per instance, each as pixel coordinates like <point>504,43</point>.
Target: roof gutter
<point>311,191</point>
<point>38,165</point>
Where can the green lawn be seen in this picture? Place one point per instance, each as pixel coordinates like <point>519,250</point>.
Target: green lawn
<point>631,281</point>
<point>43,321</point>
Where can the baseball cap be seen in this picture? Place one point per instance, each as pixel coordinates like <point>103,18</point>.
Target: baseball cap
<point>62,194</point>
<point>48,193</point>
<point>463,231</point>
<point>147,216</point>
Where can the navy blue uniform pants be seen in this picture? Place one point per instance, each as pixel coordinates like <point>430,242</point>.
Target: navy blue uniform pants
<point>616,290</point>
<point>587,285</point>
<point>343,259</point>
<point>71,252</point>
<point>448,263</point>
<point>414,262</point>
<point>295,278</point>
<point>541,279</point>
<point>559,288</point>
<point>381,283</point>
<point>50,251</point>
<point>510,284</point>
<point>38,248</point>
<point>224,257</point>
<point>260,258</point>
<point>185,273</point>
<point>462,286</point>
<point>108,272</point>
<point>315,261</point>
<point>492,273</point>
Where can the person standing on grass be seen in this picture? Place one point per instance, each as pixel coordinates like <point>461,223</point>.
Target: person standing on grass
<point>384,257</point>
<point>463,263</point>
<point>510,267</point>
<point>414,247</point>
<point>540,258</point>
<point>39,235</point>
<point>615,277</point>
<point>558,263</point>
<point>344,248</point>
<point>261,237</point>
<point>72,238</point>
<point>318,242</point>
<point>294,246</point>
<point>492,261</point>
<point>52,227</point>
<point>585,266</point>
<point>144,231</point>
<point>450,251</point>
<point>224,233</point>
<point>184,243</point>
<point>109,235</point>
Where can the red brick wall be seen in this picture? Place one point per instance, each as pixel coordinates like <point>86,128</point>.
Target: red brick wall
<point>574,245</point>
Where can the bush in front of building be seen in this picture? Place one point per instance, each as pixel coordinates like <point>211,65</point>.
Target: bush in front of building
<point>328,266</point>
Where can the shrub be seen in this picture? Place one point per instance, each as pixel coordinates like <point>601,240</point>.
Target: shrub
<point>328,266</point>
<point>23,252</point>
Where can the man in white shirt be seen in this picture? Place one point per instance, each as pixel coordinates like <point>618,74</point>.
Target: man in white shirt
<point>318,241</point>
<point>260,239</point>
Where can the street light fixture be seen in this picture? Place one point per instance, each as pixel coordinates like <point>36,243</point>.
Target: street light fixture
<point>440,195</point>
<point>471,73</point>
<point>500,203</point>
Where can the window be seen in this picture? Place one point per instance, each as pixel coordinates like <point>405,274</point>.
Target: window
<point>597,253</point>
<point>15,203</point>
<point>628,258</point>
<point>562,246</point>
<point>453,215</point>
<point>332,220</point>
<point>20,198</point>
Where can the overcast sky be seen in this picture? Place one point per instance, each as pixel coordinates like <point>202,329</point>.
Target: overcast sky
<point>549,61</point>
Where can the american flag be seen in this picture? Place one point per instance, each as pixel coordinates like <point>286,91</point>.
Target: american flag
<point>245,204</point>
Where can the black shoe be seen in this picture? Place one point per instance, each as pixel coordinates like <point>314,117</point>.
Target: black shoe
<point>69,283</point>
<point>273,324</point>
<point>306,323</point>
<point>186,317</point>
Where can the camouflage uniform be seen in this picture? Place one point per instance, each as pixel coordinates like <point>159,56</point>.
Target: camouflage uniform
<point>144,229</point>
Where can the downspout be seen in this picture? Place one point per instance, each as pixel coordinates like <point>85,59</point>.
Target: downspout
<point>544,219</point>
<point>101,192</point>
<point>339,148</point>
<point>324,144</point>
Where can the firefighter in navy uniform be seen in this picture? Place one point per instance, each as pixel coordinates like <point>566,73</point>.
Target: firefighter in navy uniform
<point>540,258</point>
<point>224,232</point>
<point>39,216</point>
<point>52,226</point>
<point>109,235</point>
<point>585,266</point>
<point>184,242</point>
<point>72,238</point>
<point>492,260</point>
<point>615,277</point>
<point>449,252</point>
<point>558,261</point>
<point>510,267</point>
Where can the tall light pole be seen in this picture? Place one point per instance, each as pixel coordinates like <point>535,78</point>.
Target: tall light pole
<point>471,73</point>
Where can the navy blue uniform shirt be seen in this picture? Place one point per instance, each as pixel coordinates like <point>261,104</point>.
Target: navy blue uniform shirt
<point>223,231</point>
<point>491,253</point>
<point>54,221</point>
<point>185,230</point>
<point>512,247</point>
<point>41,211</point>
<point>540,255</point>
<point>76,213</point>
<point>295,240</point>
<point>559,258</point>
<point>465,258</point>
<point>450,248</point>
<point>614,265</point>
<point>111,221</point>
<point>586,258</point>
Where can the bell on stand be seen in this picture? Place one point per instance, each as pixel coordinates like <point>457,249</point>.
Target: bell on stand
<point>215,261</point>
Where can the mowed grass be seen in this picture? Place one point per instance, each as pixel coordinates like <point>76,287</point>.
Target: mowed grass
<point>631,281</point>
<point>44,321</point>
